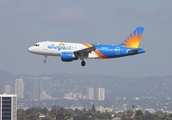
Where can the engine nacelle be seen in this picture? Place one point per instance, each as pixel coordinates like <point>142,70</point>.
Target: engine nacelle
<point>67,56</point>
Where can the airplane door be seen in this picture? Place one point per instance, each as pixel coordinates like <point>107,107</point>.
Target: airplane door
<point>117,51</point>
<point>46,45</point>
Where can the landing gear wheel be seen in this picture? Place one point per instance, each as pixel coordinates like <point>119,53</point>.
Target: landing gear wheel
<point>44,61</point>
<point>83,63</point>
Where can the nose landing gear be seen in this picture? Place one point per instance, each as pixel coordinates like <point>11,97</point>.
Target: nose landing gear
<point>44,61</point>
<point>83,63</point>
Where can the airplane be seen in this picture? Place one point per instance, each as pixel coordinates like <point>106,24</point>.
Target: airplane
<point>74,51</point>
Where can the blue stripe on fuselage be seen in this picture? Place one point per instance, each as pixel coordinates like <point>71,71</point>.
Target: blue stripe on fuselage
<point>111,51</point>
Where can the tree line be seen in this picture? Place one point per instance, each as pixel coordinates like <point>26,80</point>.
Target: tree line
<point>60,113</point>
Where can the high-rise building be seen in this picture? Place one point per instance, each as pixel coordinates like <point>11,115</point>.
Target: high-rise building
<point>44,96</point>
<point>90,93</point>
<point>101,94</point>
<point>7,89</point>
<point>8,107</point>
<point>45,83</point>
<point>35,89</point>
<point>19,88</point>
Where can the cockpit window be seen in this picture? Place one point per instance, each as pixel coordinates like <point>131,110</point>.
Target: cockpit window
<point>36,45</point>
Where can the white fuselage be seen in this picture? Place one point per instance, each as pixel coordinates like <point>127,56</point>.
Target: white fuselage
<point>50,48</point>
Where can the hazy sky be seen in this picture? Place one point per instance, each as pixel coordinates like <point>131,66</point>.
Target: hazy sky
<point>23,23</point>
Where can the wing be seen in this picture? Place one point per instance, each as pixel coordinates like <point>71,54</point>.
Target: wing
<point>84,52</point>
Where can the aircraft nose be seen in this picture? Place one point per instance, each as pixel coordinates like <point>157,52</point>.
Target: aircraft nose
<point>30,49</point>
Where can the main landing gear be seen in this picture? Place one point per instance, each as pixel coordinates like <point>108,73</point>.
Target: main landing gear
<point>83,63</point>
<point>44,61</point>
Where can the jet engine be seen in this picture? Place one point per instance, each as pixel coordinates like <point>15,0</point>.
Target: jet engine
<point>67,56</point>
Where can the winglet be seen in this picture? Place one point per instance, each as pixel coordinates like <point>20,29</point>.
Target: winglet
<point>133,40</point>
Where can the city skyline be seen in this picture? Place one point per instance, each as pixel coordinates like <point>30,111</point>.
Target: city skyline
<point>71,90</point>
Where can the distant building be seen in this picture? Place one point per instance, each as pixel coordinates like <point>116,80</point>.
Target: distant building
<point>68,96</point>
<point>150,110</point>
<point>124,98</point>
<point>71,96</point>
<point>90,93</point>
<point>19,88</point>
<point>168,98</point>
<point>79,95</point>
<point>45,85</point>
<point>101,94</point>
<point>8,107</point>
<point>84,97</point>
<point>74,96</point>
<point>35,89</point>
<point>137,98</point>
<point>7,89</point>
<point>44,96</point>
<point>104,109</point>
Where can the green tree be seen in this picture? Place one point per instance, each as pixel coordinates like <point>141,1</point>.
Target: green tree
<point>46,118</point>
<point>129,113</point>
<point>149,116</point>
<point>103,115</point>
<point>93,109</point>
<point>53,110</point>
<point>139,114</point>
<point>160,114</point>
<point>81,117</point>
<point>133,106</point>
<point>44,111</point>
<point>60,116</point>
<point>32,116</point>
<point>21,114</point>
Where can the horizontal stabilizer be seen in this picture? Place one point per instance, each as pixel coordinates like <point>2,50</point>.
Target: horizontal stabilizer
<point>134,51</point>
